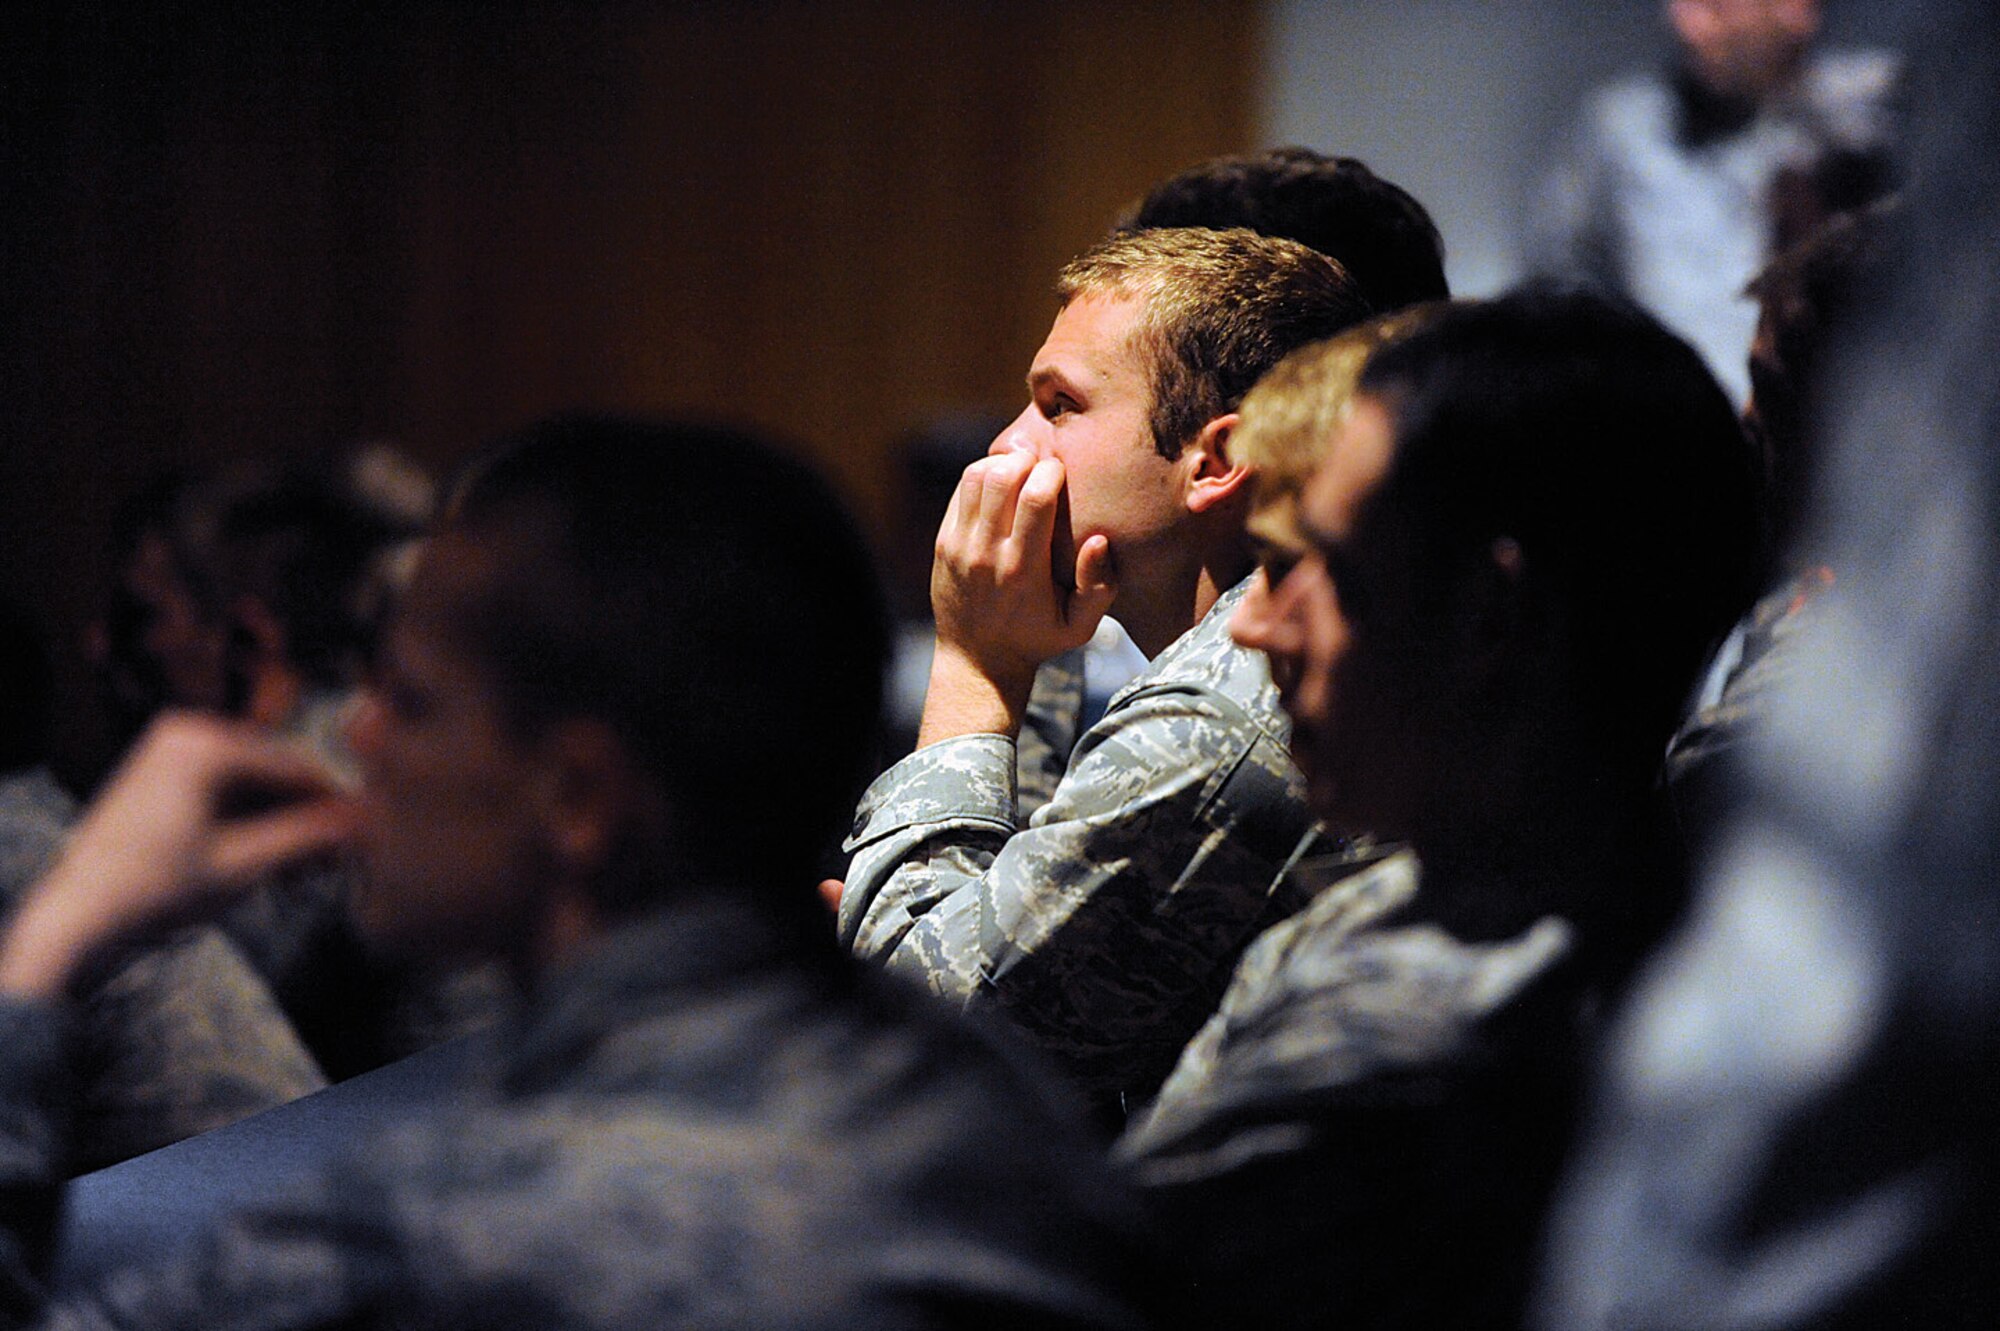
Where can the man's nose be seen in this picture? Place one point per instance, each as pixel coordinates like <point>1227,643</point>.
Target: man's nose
<point>1018,437</point>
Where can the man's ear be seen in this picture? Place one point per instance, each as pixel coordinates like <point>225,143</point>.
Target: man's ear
<point>588,793</point>
<point>259,663</point>
<point>1214,475</point>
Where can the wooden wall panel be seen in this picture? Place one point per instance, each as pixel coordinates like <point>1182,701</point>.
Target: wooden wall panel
<point>269,232</point>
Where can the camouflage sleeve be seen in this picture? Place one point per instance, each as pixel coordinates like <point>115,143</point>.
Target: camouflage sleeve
<point>926,828</point>
<point>318,1255</point>
<point>182,1038</point>
<point>34,1146</point>
<point>1049,731</point>
<point>1104,930</point>
<point>178,1039</point>
<point>1253,1048</point>
<point>35,815</point>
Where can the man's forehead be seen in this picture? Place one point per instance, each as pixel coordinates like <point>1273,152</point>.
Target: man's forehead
<point>1356,463</point>
<point>1091,340</point>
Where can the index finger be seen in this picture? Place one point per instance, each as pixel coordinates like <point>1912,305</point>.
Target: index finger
<point>1035,510</point>
<point>988,493</point>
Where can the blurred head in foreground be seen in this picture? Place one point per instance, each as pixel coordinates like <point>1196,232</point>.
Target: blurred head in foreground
<point>597,680</point>
<point>1529,528</point>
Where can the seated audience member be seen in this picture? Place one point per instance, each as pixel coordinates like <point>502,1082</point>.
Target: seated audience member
<point>171,1041</point>
<point>1372,228</point>
<point>705,1117</point>
<point>1805,291</point>
<point>1500,607</point>
<point>252,590</point>
<point>1105,927</point>
<point>241,593</point>
<point>1300,404</point>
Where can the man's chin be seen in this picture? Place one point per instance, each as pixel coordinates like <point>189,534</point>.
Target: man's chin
<point>380,910</point>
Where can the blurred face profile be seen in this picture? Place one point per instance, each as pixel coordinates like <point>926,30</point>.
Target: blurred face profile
<point>1744,48</point>
<point>1090,394</point>
<point>449,836</point>
<point>1335,623</point>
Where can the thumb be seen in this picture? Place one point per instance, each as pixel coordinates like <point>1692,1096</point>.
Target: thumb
<point>1096,583</point>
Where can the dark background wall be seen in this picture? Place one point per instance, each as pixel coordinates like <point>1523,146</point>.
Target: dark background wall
<point>255,231</point>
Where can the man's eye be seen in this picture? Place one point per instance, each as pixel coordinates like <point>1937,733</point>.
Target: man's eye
<point>1277,565</point>
<point>1058,407</point>
<point>1276,560</point>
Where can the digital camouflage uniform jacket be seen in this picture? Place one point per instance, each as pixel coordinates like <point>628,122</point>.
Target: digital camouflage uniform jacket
<point>175,1039</point>
<point>711,1121</point>
<point>1367,1132</point>
<point>1107,926</point>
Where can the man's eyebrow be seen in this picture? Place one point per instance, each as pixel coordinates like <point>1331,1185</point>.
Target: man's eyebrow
<point>1052,377</point>
<point>1280,553</point>
<point>1316,536</point>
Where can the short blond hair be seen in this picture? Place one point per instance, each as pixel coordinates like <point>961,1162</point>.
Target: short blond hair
<point>1221,308</point>
<point>1291,414</point>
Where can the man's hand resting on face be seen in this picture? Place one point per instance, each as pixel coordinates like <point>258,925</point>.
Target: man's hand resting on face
<point>1001,606</point>
<point>199,809</point>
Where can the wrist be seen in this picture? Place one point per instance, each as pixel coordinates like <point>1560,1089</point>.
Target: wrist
<point>968,697</point>
<point>41,950</point>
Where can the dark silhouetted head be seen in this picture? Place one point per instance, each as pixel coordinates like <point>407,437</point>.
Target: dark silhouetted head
<point>1380,234</point>
<point>708,600</point>
<point>1597,443</point>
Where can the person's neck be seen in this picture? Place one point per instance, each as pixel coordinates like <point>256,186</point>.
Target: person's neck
<point>569,923</point>
<point>1157,609</point>
<point>1547,836</point>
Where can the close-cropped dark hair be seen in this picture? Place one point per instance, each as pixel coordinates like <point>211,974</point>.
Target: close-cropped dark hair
<point>1580,428</point>
<point>1383,237</point>
<point>1220,308</point>
<point>294,541</point>
<point>710,600</point>
<point>305,550</point>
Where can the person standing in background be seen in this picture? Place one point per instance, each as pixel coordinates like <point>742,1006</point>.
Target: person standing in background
<point>1676,189</point>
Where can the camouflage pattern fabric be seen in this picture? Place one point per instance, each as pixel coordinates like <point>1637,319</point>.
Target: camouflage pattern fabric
<point>712,1121</point>
<point>181,1038</point>
<point>1741,704</point>
<point>1105,928</point>
<point>1049,732</point>
<point>177,1038</point>
<point>35,814</point>
<point>1368,1129</point>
